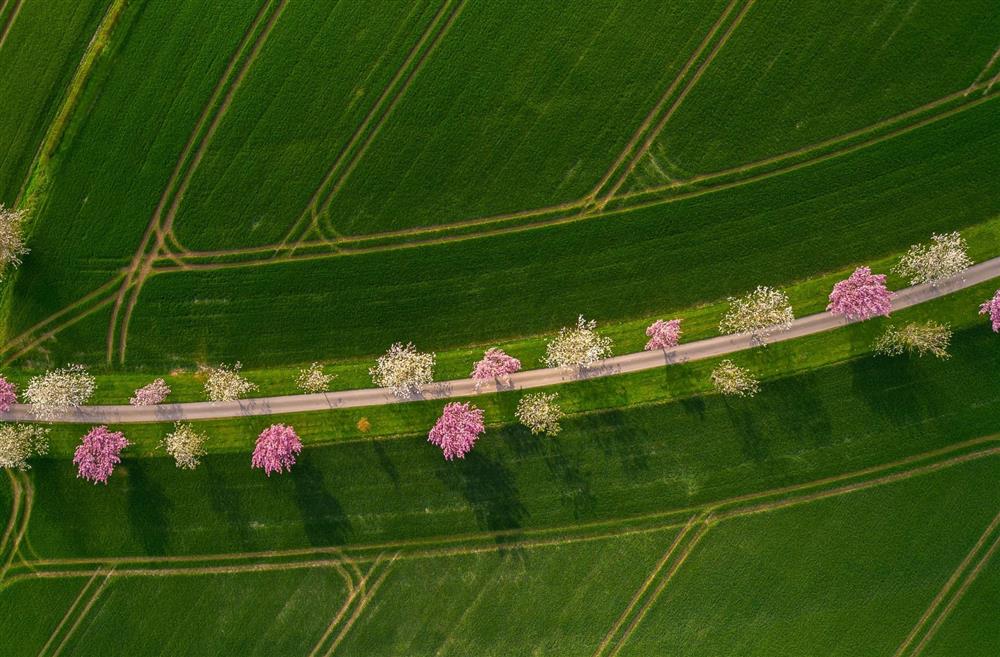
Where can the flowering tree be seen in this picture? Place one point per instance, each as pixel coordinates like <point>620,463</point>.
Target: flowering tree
<point>861,296</point>
<point>313,379</point>
<point>150,394</point>
<point>186,445</point>
<point>276,448</point>
<point>59,391</point>
<point>577,346</point>
<point>11,238</point>
<point>540,413</point>
<point>8,395</point>
<point>403,370</point>
<point>225,383</point>
<point>944,257</point>
<point>730,379</point>
<point>496,364</point>
<point>457,430</point>
<point>992,308</point>
<point>663,335</point>
<point>19,442</point>
<point>760,313</point>
<point>98,454</point>
<point>924,338</point>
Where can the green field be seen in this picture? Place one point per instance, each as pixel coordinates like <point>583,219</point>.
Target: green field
<point>278,183</point>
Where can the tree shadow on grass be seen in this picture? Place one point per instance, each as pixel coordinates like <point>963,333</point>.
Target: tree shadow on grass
<point>323,518</point>
<point>576,491</point>
<point>741,416</point>
<point>225,501</point>
<point>148,508</point>
<point>618,438</point>
<point>385,462</point>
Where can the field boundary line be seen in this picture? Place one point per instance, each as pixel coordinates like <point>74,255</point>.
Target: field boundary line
<point>657,567</point>
<point>363,149</point>
<point>200,136</point>
<point>15,545</point>
<point>948,585</point>
<point>959,594</point>
<point>69,612</point>
<point>362,604</point>
<point>15,510</point>
<point>658,128</point>
<point>83,613</point>
<point>311,209</point>
<point>344,608</point>
<point>11,19</point>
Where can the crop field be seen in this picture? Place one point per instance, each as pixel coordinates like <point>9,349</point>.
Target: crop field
<point>279,183</point>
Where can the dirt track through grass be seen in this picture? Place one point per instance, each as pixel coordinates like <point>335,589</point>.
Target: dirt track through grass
<point>11,19</point>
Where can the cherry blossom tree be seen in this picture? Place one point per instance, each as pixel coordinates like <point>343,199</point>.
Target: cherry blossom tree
<point>225,383</point>
<point>186,445</point>
<point>11,238</point>
<point>730,379</point>
<point>992,308</point>
<point>313,379</point>
<point>945,256</point>
<point>403,370</point>
<point>539,412</point>
<point>8,395</point>
<point>496,364</point>
<point>861,296</point>
<point>98,453</point>
<point>150,394</point>
<point>276,448</point>
<point>19,442</point>
<point>577,346</point>
<point>760,314</point>
<point>923,338</point>
<point>663,335</point>
<point>59,391</point>
<point>457,430</point>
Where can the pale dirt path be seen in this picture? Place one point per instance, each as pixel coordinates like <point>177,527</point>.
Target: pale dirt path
<point>624,364</point>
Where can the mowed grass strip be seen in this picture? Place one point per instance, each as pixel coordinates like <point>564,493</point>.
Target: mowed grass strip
<point>604,466</point>
<point>846,575</point>
<point>37,62</point>
<point>661,259</point>
<point>519,107</point>
<point>135,114</point>
<point>321,73</point>
<point>798,73</point>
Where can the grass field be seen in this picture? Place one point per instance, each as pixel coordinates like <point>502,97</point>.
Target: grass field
<point>969,628</point>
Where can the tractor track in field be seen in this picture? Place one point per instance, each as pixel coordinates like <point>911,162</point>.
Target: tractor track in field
<point>985,72</point>
<point>362,604</point>
<point>344,608</point>
<point>69,612</point>
<point>312,209</point>
<point>14,543</point>
<point>246,54</point>
<point>948,586</point>
<point>11,19</point>
<point>15,510</point>
<point>83,613</point>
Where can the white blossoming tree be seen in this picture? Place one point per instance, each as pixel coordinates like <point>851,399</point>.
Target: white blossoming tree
<point>730,379</point>
<point>403,369</point>
<point>944,257</point>
<point>19,442</point>
<point>225,383</point>
<point>915,338</point>
<point>577,346</point>
<point>11,238</point>
<point>59,391</point>
<point>760,314</point>
<point>313,379</point>
<point>186,445</point>
<point>540,413</point>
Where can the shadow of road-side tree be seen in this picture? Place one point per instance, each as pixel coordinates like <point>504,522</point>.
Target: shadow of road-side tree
<point>576,491</point>
<point>148,508</point>
<point>385,462</point>
<point>323,518</point>
<point>225,501</point>
<point>741,416</point>
<point>618,437</point>
<point>487,484</point>
<point>798,408</point>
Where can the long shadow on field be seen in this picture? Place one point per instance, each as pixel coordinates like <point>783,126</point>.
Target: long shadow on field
<point>323,517</point>
<point>148,508</point>
<point>744,425</point>
<point>619,438</point>
<point>225,501</point>
<point>798,404</point>
<point>385,462</point>
<point>488,486</point>
<point>576,491</point>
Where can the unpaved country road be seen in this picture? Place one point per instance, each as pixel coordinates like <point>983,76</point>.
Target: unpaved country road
<point>634,362</point>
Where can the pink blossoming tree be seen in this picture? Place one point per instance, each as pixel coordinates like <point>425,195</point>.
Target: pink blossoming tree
<point>663,335</point>
<point>457,430</point>
<point>8,395</point>
<point>861,296</point>
<point>98,454</point>
<point>276,448</point>
<point>496,364</point>
<point>150,394</point>
<point>992,308</point>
